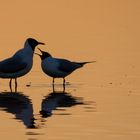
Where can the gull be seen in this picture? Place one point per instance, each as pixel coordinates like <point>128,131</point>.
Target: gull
<point>20,63</point>
<point>58,67</point>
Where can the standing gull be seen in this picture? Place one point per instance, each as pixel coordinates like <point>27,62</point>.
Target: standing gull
<point>57,67</point>
<point>20,63</point>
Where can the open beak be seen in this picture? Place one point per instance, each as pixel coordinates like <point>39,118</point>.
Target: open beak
<point>40,50</point>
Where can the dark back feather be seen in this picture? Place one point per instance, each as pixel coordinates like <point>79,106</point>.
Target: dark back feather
<point>11,65</point>
<point>68,66</point>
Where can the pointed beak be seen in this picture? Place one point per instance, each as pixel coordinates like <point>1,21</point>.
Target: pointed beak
<point>41,43</point>
<point>40,50</point>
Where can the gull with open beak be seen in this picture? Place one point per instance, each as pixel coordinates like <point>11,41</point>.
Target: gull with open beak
<point>58,67</point>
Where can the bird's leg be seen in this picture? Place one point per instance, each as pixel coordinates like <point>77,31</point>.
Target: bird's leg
<point>53,85</point>
<point>53,88</point>
<point>15,84</point>
<point>64,84</point>
<point>53,81</point>
<point>64,81</point>
<point>10,84</point>
<point>63,87</point>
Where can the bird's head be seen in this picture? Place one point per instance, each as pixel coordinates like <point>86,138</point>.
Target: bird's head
<point>33,43</point>
<point>43,54</point>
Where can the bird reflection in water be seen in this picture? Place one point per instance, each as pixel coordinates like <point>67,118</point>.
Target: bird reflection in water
<point>58,99</point>
<point>19,105</point>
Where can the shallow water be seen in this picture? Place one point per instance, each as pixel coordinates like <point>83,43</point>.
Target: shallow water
<point>107,111</point>
<point>101,100</point>
<point>37,113</point>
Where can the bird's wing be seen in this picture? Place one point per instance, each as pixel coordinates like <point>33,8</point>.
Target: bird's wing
<point>67,66</point>
<point>12,65</point>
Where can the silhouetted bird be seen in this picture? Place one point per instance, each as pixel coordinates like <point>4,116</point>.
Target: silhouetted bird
<point>20,63</point>
<point>57,67</point>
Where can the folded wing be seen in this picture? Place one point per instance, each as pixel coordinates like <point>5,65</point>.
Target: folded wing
<point>68,66</point>
<point>12,65</point>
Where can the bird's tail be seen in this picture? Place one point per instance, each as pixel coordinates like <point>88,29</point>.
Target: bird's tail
<point>83,63</point>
